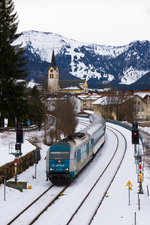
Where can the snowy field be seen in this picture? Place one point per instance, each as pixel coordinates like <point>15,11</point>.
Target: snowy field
<point>114,210</point>
<point>7,139</point>
<point>145,129</point>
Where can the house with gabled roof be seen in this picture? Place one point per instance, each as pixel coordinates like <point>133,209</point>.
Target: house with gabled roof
<point>142,105</point>
<point>110,106</point>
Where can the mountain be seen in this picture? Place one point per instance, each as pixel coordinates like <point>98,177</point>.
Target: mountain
<point>99,64</point>
<point>144,81</point>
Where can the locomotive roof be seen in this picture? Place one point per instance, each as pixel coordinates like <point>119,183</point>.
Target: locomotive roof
<point>95,119</point>
<point>73,136</point>
<point>64,146</point>
<point>93,129</point>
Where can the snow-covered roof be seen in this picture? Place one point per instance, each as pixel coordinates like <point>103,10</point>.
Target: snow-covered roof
<point>142,94</point>
<point>31,84</point>
<point>71,88</point>
<point>110,100</point>
<point>101,101</point>
<point>82,96</point>
<point>89,97</point>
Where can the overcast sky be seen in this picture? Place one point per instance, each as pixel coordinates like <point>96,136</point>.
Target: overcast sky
<point>108,22</point>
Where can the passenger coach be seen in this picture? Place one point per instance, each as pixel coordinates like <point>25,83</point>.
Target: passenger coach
<point>65,159</point>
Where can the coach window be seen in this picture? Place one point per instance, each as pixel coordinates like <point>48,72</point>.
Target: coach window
<point>78,155</point>
<point>75,154</point>
<point>87,148</point>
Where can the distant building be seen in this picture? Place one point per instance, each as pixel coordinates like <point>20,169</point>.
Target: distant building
<point>65,86</point>
<point>53,76</point>
<point>86,100</point>
<point>107,107</point>
<point>141,105</point>
<point>139,102</point>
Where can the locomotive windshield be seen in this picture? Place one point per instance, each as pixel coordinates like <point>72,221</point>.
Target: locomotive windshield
<point>59,155</point>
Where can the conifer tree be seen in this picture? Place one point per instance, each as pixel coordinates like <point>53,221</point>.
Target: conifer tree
<point>36,107</point>
<point>12,65</point>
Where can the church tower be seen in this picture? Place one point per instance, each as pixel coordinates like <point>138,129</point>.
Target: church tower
<point>53,76</point>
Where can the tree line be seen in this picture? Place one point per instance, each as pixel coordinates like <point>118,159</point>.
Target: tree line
<point>17,103</point>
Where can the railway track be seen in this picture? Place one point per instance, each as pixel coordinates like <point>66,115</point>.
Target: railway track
<point>18,219</point>
<point>96,190</point>
<point>49,196</point>
<point>53,193</point>
<point>86,202</point>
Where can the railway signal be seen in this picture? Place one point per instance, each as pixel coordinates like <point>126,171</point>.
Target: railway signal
<point>19,140</point>
<point>138,154</point>
<point>15,168</point>
<point>135,125</point>
<point>140,179</point>
<point>135,133</point>
<point>135,136</point>
<point>19,133</point>
<point>140,173</point>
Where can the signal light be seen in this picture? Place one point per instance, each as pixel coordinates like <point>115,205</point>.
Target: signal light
<point>140,176</point>
<point>135,125</point>
<point>19,133</point>
<point>135,136</point>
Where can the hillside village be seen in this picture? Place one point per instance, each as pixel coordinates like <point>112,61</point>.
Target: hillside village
<point>126,67</point>
<point>110,104</point>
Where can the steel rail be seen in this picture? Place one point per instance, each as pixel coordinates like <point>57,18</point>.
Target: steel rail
<point>111,179</point>
<point>25,209</point>
<point>35,202</point>
<point>98,179</point>
<point>38,198</point>
<point>48,205</point>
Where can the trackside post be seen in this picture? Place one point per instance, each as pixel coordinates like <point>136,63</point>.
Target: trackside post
<point>129,185</point>
<point>137,155</point>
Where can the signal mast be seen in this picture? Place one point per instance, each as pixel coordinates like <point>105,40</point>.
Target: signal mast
<point>137,155</point>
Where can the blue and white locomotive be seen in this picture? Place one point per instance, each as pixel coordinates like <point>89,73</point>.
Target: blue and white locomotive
<point>66,158</point>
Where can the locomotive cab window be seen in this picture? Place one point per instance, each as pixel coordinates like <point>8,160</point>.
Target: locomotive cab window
<point>59,155</point>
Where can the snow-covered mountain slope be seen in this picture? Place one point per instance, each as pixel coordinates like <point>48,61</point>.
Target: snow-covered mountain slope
<point>122,65</point>
<point>43,43</point>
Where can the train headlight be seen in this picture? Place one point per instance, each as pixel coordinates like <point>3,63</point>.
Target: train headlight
<point>51,169</point>
<point>66,169</point>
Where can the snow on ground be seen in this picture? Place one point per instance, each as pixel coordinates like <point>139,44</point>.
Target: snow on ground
<point>8,138</point>
<point>114,210</point>
<point>146,129</point>
<point>72,196</point>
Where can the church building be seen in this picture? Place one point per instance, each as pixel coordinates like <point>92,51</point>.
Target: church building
<point>53,76</point>
<point>65,86</point>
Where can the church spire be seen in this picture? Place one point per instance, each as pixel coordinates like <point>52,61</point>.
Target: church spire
<point>53,61</point>
<point>53,76</point>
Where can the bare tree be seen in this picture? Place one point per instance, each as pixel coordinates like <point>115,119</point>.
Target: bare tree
<point>119,106</point>
<point>126,111</point>
<point>65,116</point>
